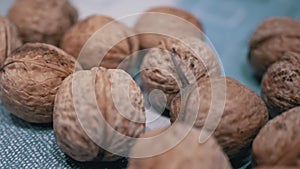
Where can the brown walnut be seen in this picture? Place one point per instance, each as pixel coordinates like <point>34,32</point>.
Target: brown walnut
<point>79,131</point>
<point>271,39</point>
<point>30,78</point>
<point>42,21</point>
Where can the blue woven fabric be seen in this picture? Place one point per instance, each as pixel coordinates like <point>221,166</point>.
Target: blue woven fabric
<point>228,25</point>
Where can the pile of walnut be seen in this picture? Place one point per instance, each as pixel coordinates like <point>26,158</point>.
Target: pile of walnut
<point>275,56</point>
<point>49,80</point>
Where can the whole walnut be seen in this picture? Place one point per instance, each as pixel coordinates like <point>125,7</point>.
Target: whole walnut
<point>242,115</point>
<point>160,22</point>
<point>111,39</point>
<point>94,110</point>
<point>278,142</point>
<point>9,39</point>
<point>42,21</point>
<point>196,59</point>
<point>281,84</point>
<point>186,153</point>
<point>30,78</point>
<point>271,40</point>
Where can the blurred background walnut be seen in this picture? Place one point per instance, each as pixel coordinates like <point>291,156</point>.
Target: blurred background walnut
<point>42,21</point>
<point>9,39</point>
<point>271,39</point>
<point>162,21</point>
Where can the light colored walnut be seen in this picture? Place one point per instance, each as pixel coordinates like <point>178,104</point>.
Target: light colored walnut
<point>42,21</point>
<point>83,99</point>
<point>30,77</point>
<point>188,153</point>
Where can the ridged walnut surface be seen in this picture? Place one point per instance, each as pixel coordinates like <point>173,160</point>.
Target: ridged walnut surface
<point>80,137</point>
<point>281,84</point>
<point>9,39</point>
<point>186,25</point>
<point>243,116</point>
<point>271,39</point>
<point>197,60</point>
<point>277,138</point>
<point>75,39</point>
<point>30,79</point>
<point>188,153</point>
<point>42,21</point>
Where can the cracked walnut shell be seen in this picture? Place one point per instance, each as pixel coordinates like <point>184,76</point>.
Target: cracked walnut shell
<point>42,21</point>
<point>187,152</point>
<point>271,40</point>
<point>278,142</point>
<point>30,78</point>
<point>281,84</point>
<point>93,112</point>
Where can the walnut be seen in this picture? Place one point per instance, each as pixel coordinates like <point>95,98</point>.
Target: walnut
<point>243,115</point>
<point>278,142</point>
<point>30,78</point>
<point>111,39</point>
<point>162,21</point>
<point>83,99</point>
<point>9,39</point>
<point>281,84</point>
<point>186,153</point>
<point>271,40</point>
<point>42,21</point>
<point>197,60</point>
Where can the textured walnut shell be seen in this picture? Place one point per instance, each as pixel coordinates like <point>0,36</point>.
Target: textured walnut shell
<point>42,21</point>
<point>281,84</point>
<point>243,116</point>
<point>197,59</point>
<point>188,153</point>
<point>79,133</point>
<point>163,20</point>
<point>30,79</point>
<point>277,138</point>
<point>74,40</point>
<point>271,40</point>
<point>9,39</point>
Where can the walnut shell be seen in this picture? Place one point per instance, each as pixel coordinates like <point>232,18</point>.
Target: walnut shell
<point>79,133</point>
<point>277,138</point>
<point>271,40</point>
<point>164,20</point>
<point>103,41</point>
<point>243,115</point>
<point>188,153</point>
<point>197,60</point>
<point>281,84</point>
<point>30,78</point>
<point>42,21</point>
<point>9,39</point>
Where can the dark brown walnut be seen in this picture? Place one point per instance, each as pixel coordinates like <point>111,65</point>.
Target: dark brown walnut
<point>30,77</point>
<point>112,39</point>
<point>165,21</point>
<point>196,59</point>
<point>9,39</point>
<point>278,142</point>
<point>187,153</point>
<point>271,39</point>
<point>42,21</point>
<point>86,96</point>
<point>243,115</point>
<point>281,84</point>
